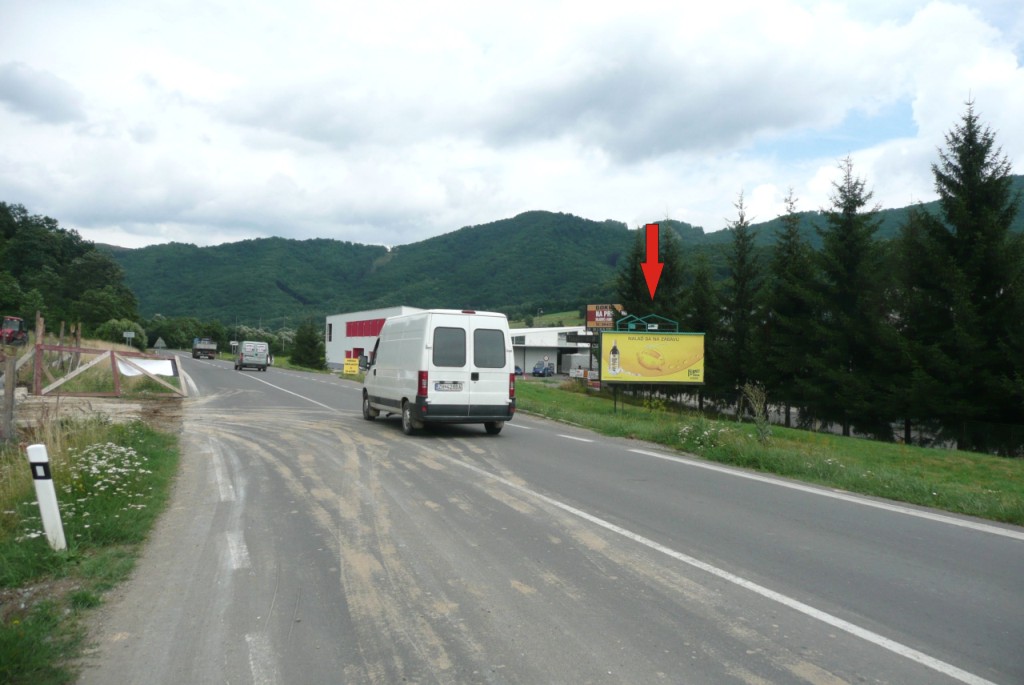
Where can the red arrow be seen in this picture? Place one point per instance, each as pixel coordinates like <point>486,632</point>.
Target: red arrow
<point>652,267</point>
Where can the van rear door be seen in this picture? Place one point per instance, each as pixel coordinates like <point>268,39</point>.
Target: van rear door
<point>489,365</point>
<point>449,374</point>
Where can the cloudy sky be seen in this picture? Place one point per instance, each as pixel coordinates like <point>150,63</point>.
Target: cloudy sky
<point>392,121</point>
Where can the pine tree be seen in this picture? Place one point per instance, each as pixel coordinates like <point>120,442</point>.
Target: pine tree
<point>845,368</point>
<point>791,311</point>
<point>308,349</point>
<point>964,288</point>
<point>740,305</point>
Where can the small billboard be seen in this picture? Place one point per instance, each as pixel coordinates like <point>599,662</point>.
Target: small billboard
<point>643,357</point>
<point>602,315</point>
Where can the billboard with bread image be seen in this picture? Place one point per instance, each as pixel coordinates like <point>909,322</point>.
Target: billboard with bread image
<point>649,357</point>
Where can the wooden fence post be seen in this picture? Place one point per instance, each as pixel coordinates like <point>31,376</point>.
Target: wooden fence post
<point>10,382</point>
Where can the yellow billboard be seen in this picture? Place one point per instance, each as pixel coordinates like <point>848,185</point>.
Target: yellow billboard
<point>640,357</point>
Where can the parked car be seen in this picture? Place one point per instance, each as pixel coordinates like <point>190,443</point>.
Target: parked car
<point>543,369</point>
<point>519,371</point>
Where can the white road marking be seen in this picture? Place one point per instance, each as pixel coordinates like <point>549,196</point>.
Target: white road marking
<point>573,437</point>
<point>301,397</point>
<point>261,660</point>
<point>845,497</point>
<point>794,604</point>
<point>224,487</point>
<point>190,387</point>
<point>238,552</point>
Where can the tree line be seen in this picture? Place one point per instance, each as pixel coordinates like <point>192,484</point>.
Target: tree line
<point>51,270</point>
<point>918,338</point>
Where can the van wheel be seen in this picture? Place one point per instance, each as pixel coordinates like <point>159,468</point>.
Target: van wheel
<point>493,427</point>
<point>409,427</point>
<point>369,413</point>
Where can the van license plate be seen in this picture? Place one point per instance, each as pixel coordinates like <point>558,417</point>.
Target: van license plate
<point>442,386</point>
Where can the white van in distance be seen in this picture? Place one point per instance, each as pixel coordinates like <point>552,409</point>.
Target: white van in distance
<point>442,366</point>
<point>253,355</point>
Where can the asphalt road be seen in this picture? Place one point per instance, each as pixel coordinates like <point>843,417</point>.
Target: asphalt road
<point>306,545</point>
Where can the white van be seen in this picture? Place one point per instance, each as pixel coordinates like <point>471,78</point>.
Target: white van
<point>252,354</point>
<point>442,366</point>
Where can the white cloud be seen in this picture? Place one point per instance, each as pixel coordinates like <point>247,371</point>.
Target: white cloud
<point>391,122</point>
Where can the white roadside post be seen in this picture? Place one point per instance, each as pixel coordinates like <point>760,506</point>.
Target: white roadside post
<point>39,460</point>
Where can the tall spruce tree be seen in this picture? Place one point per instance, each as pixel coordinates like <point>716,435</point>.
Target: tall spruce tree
<point>740,305</point>
<point>915,394</point>
<point>845,368</point>
<point>965,292</point>
<point>791,311</point>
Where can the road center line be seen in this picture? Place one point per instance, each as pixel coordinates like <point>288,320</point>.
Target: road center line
<point>794,604</point>
<point>301,397</point>
<point>573,437</point>
<point>834,494</point>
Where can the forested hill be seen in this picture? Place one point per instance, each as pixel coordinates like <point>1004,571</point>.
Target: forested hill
<point>536,259</point>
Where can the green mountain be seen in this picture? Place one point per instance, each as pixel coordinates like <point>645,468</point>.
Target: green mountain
<point>536,259</point>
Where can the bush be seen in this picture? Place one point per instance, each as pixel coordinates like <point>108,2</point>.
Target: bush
<point>113,331</point>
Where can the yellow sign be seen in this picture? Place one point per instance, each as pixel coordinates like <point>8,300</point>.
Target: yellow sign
<point>351,366</point>
<point>639,357</point>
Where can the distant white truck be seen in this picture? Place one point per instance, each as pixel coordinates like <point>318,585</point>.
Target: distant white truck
<point>442,366</point>
<point>204,347</point>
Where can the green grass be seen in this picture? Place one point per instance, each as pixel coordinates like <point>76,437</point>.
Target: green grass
<point>961,482</point>
<point>34,647</point>
<point>112,482</point>
<point>570,318</point>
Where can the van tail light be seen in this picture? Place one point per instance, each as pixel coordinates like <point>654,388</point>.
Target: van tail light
<point>511,386</point>
<point>421,386</point>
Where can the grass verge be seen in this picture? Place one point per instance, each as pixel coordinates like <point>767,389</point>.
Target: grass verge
<point>979,485</point>
<point>112,481</point>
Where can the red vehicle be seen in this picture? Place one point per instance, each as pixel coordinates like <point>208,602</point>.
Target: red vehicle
<point>13,331</point>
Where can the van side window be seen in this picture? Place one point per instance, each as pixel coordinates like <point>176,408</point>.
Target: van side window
<point>373,355</point>
<point>449,347</point>
<point>488,348</point>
